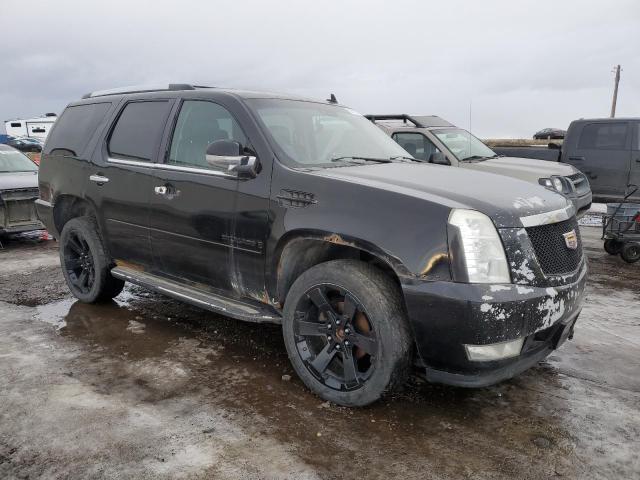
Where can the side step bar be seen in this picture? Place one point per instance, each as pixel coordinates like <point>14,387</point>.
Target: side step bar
<point>249,312</point>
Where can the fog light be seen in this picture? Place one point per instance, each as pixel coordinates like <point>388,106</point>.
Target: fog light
<point>494,351</point>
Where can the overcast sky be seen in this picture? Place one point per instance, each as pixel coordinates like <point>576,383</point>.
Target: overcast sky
<point>508,67</point>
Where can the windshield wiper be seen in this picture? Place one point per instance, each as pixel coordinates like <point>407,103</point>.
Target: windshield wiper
<point>366,159</point>
<point>404,157</point>
<point>475,157</point>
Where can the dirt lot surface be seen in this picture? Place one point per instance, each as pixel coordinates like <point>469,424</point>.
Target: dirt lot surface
<point>146,387</point>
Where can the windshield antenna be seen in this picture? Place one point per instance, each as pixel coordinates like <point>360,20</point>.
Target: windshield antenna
<point>332,99</point>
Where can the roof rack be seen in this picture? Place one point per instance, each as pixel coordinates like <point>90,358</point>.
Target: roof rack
<point>402,116</point>
<point>143,89</point>
<point>420,121</point>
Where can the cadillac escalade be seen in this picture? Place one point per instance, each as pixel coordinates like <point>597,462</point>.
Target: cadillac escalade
<point>270,208</point>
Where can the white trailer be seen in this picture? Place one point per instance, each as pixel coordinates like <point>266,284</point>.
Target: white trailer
<point>31,127</point>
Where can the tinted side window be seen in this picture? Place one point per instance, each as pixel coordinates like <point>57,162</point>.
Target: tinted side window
<point>416,144</point>
<point>75,127</point>
<point>604,136</point>
<point>199,124</point>
<point>138,130</point>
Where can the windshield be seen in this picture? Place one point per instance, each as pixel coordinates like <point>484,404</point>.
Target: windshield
<point>14,161</point>
<point>307,134</point>
<point>463,145</point>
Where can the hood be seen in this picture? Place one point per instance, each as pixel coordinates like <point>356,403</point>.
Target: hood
<point>503,199</point>
<point>528,169</point>
<point>10,181</point>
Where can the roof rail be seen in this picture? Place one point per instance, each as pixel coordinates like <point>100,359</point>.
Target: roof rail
<point>142,89</point>
<point>402,116</point>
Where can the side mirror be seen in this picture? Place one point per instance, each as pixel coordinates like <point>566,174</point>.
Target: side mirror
<point>438,158</point>
<point>229,155</point>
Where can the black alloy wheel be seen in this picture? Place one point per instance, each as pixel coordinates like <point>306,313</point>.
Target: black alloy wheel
<point>79,263</point>
<point>85,263</point>
<point>334,337</point>
<point>347,333</point>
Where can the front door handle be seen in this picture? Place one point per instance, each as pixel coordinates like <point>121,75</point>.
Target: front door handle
<point>161,190</point>
<point>99,179</point>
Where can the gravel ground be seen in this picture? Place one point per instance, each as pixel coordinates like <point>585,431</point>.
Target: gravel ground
<point>147,387</point>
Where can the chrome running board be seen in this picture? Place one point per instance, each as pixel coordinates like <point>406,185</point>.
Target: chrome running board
<point>248,311</point>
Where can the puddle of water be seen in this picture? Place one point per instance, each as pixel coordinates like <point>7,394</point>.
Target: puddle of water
<point>55,313</point>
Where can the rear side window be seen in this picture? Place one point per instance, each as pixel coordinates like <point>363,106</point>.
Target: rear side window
<point>604,136</point>
<point>75,127</point>
<point>138,130</point>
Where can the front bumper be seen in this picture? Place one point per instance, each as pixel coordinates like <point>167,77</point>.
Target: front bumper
<point>445,316</point>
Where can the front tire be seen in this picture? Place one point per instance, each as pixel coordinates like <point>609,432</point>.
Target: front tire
<point>630,252</point>
<point>85,263</point>
<point>346,332</point>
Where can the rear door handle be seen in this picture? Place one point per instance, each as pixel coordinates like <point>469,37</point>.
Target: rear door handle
<point>577,159</point>
<point>99,179</point>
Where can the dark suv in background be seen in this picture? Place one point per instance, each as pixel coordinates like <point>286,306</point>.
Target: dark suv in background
<point>607,150</point>
<point>269,208</point>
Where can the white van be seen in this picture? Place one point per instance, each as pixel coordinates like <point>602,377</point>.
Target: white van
<point>32,127</point>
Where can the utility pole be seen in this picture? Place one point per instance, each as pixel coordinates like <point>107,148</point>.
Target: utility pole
<point>616,69</point>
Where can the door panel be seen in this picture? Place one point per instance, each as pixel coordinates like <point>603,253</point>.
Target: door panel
<point>191,226</point>
<point>121,180</point>
<point>192,214</point>
<point>603,154</point>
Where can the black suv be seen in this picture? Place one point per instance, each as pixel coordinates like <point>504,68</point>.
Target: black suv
<point>268,208</point>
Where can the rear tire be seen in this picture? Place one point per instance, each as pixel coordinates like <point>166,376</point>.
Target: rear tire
<point>85,263</point>
<point>630,252</point>
<point>612,246</point>
<point>346,332</point>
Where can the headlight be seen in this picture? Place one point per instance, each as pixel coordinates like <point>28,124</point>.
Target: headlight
<point>557,184</point>
<point>476,249</point>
